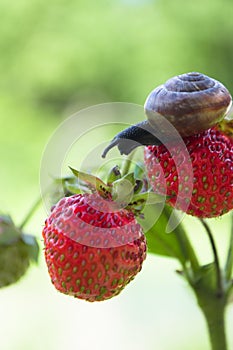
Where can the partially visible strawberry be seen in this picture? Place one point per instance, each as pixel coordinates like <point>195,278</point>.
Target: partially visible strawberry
<point>16,251</point>
<point>210,189</point>
<point>92,251</point>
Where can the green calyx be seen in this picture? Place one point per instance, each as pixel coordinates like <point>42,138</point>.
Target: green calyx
<point>226,126</point>
<point>126,191</point>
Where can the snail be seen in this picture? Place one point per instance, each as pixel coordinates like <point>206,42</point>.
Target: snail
<point>191,102</point>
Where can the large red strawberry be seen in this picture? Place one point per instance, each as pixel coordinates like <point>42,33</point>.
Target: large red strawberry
<point>92,249</point>
<point>206,193</point>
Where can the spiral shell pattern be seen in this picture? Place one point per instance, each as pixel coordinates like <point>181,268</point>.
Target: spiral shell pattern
<point>191,102</point>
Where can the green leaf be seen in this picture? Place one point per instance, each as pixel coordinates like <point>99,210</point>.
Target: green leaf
<point>174,244</point>
<point>32,246</point>
<point>8,231</point>
<point>206,277</point>
<point>6,220</point>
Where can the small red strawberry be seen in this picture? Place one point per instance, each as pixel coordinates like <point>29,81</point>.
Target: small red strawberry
<point>210,189</point>
<point>92,250</point>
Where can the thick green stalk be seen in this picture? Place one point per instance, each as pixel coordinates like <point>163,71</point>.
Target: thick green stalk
<point>213,308</point>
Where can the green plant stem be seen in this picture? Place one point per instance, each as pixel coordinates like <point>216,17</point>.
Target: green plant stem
<point>229,262</point>
<point>184,242</point>
<point>212,299</point>
<point>220,290</point>
<point>126,164</point>
<point>187,247</point>
<point>30,213</point>
<point>213,308</point>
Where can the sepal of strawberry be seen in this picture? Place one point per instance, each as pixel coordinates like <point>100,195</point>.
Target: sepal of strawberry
<point>114,174</point>
<point>93,183</point>
<point>124,191</point>
<point>226,126</point>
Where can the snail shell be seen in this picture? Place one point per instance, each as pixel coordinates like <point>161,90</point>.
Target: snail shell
<point>191,102</point>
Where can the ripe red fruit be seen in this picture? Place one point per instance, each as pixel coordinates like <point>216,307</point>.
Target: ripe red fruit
<point>209,191</point>
<point>92,252</point>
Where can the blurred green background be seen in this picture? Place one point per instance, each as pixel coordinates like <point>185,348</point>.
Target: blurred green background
<point>56,58</point>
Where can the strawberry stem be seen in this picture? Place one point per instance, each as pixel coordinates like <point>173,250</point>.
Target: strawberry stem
<point>220,290</point>
<point>213,309</point>
<point>229,262</point>
<point>185,244</point>
<point>126,164</point>
<point>211,301</point>
<point>30,213</point>
<point>187,248</point>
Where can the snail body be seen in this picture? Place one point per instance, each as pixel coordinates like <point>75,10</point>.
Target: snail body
<point>191,103</point>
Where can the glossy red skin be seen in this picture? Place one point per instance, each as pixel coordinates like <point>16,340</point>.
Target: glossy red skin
<point>85,255</point>
<point>210,190</point>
